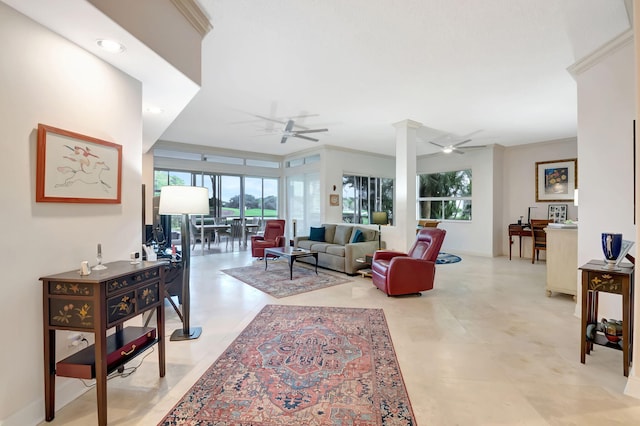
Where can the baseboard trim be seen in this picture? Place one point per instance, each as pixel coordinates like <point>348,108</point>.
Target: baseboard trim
<point>67,390</point>
<point>633,386</point>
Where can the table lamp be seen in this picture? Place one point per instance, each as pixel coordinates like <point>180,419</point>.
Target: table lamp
<point>184,200</point>
<point>380,218</point>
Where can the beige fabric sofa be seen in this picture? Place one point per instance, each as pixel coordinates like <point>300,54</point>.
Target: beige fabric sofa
<point>337,252</point>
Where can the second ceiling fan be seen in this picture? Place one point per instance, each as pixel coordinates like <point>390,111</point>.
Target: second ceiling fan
<point>457,146</point>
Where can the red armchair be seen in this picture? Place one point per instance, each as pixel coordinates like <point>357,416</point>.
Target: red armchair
<point>273,237</point>
<point>398,273</point>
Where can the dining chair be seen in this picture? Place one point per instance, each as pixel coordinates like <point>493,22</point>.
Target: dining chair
<point>234,232</point>
<point>196,235</point>
<point>538,237</point>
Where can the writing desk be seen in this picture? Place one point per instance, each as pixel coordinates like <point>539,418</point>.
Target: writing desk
<point>518,231</point>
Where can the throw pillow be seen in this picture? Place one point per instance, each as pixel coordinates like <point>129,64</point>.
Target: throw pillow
<point>316,234</point>
<point>357,236</point>
<point>343,234</point>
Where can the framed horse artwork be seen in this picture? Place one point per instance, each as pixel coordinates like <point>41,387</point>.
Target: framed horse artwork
<point>74,168</point>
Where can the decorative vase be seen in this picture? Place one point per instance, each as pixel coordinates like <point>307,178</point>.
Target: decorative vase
<point>611,246</point>
<point>612,329</point>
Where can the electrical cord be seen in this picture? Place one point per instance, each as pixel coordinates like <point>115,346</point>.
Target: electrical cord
<point>124,374</point>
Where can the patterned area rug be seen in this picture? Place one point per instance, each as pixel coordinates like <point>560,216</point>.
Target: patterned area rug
<point>301,365</point>
<point>275,280</point>
<point>447,258</point>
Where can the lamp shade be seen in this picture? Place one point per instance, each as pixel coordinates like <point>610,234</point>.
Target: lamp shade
<point>379,218</point>
<point>176,199</point>
<point>575,197</point>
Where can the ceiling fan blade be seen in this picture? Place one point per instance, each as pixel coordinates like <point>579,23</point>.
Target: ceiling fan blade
<point>295,135</point>
<point>284,139</point>
<point>275,120</point>
<point>460,143</point>
<point>289,126</point>
<point>310,131</point>
<point>303,116</point>
<point>457,151</point>
<point>437,144</point>
<point>472,147</point>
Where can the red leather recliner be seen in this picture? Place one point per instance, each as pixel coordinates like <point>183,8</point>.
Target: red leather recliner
<point>273,237</point>
<point>398,273</point>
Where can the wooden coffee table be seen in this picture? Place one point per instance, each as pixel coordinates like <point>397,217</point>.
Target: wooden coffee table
<point>291,254</point>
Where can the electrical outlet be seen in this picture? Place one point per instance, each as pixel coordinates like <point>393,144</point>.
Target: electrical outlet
<point>75,339</point>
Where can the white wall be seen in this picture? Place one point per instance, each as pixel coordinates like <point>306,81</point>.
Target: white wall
<point>606,110</point>
<point>46,79</point>
<point>520,186</point>
<point>475,237</point>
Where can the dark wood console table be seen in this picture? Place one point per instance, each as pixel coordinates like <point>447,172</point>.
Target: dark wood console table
<point>519,231</point>
<point>95,303</point>
<point>596,278</point>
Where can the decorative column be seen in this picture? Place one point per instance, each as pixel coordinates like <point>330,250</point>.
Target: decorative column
<point>405,186</point>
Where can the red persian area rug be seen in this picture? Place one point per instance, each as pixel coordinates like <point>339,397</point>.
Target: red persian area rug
<point>302,365</point>
<point>275,280</point>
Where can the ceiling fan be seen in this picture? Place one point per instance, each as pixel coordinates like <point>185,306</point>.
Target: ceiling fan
<point>290,133</point>
<point>456,147</point>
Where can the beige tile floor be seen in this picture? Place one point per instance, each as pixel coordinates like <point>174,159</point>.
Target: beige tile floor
<point>485,347</point>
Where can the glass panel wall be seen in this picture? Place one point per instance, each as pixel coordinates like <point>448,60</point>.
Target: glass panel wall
<point>303,196</point>
<point>363,195</point>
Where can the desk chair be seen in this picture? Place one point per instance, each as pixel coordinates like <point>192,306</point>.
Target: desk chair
<point>538,237</point>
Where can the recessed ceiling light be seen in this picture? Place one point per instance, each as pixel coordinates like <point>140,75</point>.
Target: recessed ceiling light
<point>155,110</point>
<point>110,45</point>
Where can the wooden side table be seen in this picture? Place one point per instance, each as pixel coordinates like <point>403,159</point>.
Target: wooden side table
<point>597,278</point>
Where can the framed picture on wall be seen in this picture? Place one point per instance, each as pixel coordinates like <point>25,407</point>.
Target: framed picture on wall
<point>334,199</point>
<point>558,212</point>
<point>74,168</point>
<point>556,180</point>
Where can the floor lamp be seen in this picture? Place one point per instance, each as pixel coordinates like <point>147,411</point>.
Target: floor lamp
<point>380,218</point>
<point>184,200</point>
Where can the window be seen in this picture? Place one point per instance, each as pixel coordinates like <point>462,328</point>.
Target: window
<point>230,196</point>
<point>363,195</point>
<point>260,197</point>
<point>445,196</point>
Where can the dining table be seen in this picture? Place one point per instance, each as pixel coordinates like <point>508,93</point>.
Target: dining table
<point>210,231</point>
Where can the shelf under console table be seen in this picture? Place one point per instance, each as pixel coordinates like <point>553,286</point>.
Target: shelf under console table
<point>95,303</point>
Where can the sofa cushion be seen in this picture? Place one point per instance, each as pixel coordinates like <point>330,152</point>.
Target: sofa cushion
<point>317,234</point>
<point>329,232</point>
<point>357,236</point>
<point>343,234</point>
<point>320,247</point>
<point>335,250</point>
<point>306,244</point>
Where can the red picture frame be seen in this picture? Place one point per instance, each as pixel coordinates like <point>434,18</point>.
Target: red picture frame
<point>75,168</point>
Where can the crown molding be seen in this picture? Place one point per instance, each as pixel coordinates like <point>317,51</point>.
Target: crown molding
<point>601,53</point>
<point>192,11</point>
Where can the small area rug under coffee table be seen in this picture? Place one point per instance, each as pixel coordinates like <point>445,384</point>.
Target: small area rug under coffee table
<point>302,365</point>
<point>275,280</point>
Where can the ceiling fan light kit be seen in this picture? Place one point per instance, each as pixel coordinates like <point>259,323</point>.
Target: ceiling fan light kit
<point>456,147</point>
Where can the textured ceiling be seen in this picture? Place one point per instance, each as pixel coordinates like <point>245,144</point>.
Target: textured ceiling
<point>358,66</point>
